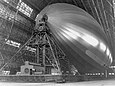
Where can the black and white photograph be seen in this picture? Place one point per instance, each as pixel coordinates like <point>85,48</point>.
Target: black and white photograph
<point>57,43</point>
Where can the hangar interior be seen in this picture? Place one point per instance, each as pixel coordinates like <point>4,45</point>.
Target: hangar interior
<point>17,23</point>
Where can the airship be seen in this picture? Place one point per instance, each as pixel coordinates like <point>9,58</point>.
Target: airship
<point>79,35</point>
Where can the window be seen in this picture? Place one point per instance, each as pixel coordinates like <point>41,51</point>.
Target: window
<point>98,73</point>
<point>12,43</point>
<point>3,13</point>
<point>6,13</point>
<point>30,49</point>
<point>90,73</point>
<point>110,73</point>
<point>24,8</point>
<point>11,2</point>
<point>102,73</point>
<point>93,73</point>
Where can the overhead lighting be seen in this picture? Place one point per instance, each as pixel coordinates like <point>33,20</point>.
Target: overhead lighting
<point>91,40</point>
<point>102,46</point>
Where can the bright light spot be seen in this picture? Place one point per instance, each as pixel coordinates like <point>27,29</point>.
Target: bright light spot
<point>65,35</point>
<point>36,17</point>
<point>110,57</point>
<point>98,73</point>
<point>93,73</point>
<point>107,52</point>
<point>74,32</point>
<point>7,1</point>
<point>102,46</point>
<point>90,73</point>
<point>109,73</point>
<point>111,66</point>
<point>91,40</point>
<point>70,34</point>
<point>30,49</point>
<point>102,73</point>
<point>12,43</point>
<point>24,8</point>
<point>112,73</point>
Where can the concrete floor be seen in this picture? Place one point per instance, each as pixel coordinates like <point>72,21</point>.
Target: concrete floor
<point>88,83</point>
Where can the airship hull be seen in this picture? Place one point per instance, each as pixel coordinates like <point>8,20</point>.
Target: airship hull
<point>73,28</point>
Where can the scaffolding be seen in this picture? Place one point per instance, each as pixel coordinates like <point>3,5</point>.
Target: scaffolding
<point>47,51</point>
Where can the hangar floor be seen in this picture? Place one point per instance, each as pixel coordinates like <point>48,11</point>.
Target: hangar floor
<point>88,83</point>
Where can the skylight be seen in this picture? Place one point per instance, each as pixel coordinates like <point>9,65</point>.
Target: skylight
<point>24,8</point>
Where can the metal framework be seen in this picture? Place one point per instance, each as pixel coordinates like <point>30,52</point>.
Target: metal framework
<point>42,41</point>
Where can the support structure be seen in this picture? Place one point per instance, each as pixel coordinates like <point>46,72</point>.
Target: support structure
<point>47,51</point>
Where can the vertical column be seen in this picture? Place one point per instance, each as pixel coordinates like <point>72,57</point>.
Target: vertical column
<point>54,57</point>
<point>44,51</point>
<point>37,54</point>
<point>106,74</point>
<point>37,42</point>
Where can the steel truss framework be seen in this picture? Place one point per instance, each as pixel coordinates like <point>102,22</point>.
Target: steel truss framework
<point>48,53</point>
